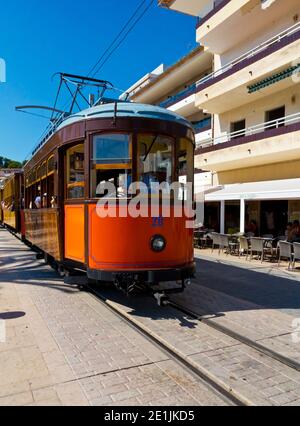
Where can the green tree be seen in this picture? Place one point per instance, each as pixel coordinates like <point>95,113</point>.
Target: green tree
<point>14,165</point>
<point>7,163</point>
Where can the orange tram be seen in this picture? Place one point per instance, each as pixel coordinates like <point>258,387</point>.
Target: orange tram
<point>53,205</point>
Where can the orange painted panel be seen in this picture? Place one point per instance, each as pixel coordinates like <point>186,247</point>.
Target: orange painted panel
<point>74,233</point>
<point>124,243</point>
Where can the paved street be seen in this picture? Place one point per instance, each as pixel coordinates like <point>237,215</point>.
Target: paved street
<point>65,348</point>
<point>263,284</point>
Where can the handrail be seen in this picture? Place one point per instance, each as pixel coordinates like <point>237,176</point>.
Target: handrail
<point>275,39</point>
<point>190,90</point>
<point>205,122</point>
<point>248,131</point>
<point>217,6</point>
<point>50,130</point>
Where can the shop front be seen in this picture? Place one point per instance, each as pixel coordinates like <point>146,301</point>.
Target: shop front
<point>258,207</point>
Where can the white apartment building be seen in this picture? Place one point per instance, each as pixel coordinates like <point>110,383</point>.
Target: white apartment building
<point>175,88</point>
<point>253,95</point>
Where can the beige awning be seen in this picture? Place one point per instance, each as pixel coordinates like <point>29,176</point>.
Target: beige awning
<point>287,189</point>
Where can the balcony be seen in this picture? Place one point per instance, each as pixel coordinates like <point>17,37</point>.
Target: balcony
<point>269,46</point>
<point>270,142</point>
<point>202,125</point>
<point>182,103</point>
<point>248,18</point>
<point>189,7</point>
<point>217,6</point>
<point>203,130</point>
<point>171,100</point>
<point>233,79</point>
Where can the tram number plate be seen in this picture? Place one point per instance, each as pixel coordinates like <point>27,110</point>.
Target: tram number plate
<point>157,222</point>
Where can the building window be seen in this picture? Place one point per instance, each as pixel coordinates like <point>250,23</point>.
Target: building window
<point>238,129</point>
<point>276,117</point>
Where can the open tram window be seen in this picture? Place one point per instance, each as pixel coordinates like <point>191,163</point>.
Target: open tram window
<point>155,160</point>
<point>43,173</point>
<point>51,199</point>
<point>111,162</point>
<point>185,160</point>
<point>75,172</point>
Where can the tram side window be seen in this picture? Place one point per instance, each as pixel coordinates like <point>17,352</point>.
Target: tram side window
<point>155,159</point>
<point>111,162</point>
<point>51,198</point>
<point>43,185</point>
<point>50,192</point>
<point>185,165</point>
<point>185,160</point>
<point>75,172</point>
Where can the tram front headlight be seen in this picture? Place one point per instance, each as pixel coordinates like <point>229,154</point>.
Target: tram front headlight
<point>158,243</point>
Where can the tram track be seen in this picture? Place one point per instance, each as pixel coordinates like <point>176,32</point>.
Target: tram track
<point>221,390</point>
<point>226,393</point>
<point>219,384</point>
<point>238,337</point>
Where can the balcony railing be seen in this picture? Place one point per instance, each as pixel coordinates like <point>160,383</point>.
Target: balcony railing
<point>190,90</point>
<point>218,5</point>
<point>202,124</point>
<point>253,130</point>
<point>251,54</point>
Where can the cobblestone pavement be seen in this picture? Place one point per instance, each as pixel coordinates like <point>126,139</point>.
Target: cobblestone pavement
<point>69,348</point>
<point>255,304</point>
<point>263,284</point>
<point>64,348</point>
<point>252,376</point>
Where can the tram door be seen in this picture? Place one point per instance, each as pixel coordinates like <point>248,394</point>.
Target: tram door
<point>74,192</point>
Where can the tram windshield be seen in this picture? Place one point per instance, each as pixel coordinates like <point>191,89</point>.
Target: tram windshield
<point>112,163</point>
<point>158,159</point>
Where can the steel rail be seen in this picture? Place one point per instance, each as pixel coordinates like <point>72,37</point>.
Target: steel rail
<point>236,336</point>
<point>219,389</point>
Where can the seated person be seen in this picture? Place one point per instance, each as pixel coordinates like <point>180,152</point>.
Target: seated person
<point>252,228</point>
<point>38,202</point>
<point>289,227</point>
<point>294,234</point>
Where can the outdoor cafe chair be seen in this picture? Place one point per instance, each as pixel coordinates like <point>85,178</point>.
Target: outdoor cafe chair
<point>216,241</point>
<point>286,251</point>
<point>244,246</point>
<point>296,255</point>
<point>269,236</point>
<point>258,247</point>
<point>225,243</point>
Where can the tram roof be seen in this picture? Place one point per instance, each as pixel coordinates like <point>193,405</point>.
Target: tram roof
<point>108,110</point>
<point>125,109</point>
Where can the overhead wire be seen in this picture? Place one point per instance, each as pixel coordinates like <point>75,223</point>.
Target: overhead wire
<point>107,54</point>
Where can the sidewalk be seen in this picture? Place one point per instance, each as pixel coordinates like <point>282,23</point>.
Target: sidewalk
<point>64,348</point>
<point>267,267</point>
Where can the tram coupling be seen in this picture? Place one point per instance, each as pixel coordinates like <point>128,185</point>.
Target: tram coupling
<point>128,283</point>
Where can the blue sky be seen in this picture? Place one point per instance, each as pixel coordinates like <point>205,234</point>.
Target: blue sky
<point>40,38</point>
